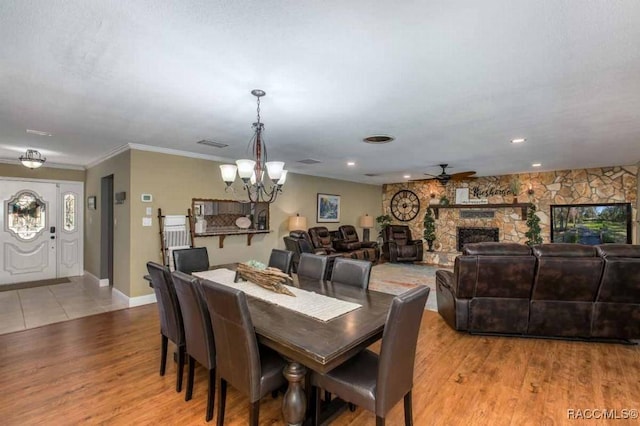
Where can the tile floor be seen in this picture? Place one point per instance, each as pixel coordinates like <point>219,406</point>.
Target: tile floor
<point>34,307</point>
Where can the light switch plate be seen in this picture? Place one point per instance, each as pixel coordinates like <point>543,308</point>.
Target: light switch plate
<point>149,210</point>
<point>146,221</point>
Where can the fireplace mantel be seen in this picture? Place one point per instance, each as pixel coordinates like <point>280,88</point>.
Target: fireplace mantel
<point>523,206</point>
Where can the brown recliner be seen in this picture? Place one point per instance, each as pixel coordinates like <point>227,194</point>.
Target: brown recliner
<point>299,242</point>
<point>565,287</point>
<point>321,239</point>
<point>377,382</point>
<point>398,246</point>
<point>489,288</point>
<point>616,312</point>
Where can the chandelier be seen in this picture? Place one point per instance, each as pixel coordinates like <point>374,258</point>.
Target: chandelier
<point>32,159</point>
<point>251,171</point>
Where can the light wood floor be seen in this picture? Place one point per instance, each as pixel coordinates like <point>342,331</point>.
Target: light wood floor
<point>103,369</point>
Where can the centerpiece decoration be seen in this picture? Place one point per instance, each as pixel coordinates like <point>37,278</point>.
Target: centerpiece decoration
<point>267,277</point>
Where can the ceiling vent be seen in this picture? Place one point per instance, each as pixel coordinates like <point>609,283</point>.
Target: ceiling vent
<point>309,161</point>
<point>212,143</point>
<point>378,139</point>
<point>371,174</point>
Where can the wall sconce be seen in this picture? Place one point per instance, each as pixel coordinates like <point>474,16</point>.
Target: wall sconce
<point>365,222</point>
<point>297,222</point>
<point>530,189</point>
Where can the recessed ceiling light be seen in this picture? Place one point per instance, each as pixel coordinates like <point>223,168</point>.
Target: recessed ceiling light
<point>536,165</point>
<point>376,139</point>
<point>38,132</point>
<point>351,163</point>
<point>519,140</point>
<point>406,176</point>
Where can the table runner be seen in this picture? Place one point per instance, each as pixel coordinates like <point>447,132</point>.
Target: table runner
<point>318,306</point>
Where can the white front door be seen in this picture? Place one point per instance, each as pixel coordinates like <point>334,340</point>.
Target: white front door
<point>28,245</point>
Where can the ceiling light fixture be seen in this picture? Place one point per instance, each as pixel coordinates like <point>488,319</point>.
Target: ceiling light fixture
<point>32,159</point>
<point>252,171</point>
<point>519,140</point>
<point>375,139</point>
<point>536,165</point>
<point>406,176</point>
<point>351,163</point>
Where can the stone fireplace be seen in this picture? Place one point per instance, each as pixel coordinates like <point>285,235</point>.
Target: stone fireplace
<point>475,235</point>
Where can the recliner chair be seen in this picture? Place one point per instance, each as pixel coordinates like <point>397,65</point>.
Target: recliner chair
<point>398,246</point>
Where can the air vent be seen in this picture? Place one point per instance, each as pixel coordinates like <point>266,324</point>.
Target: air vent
<point>212,143</point>
<point>371,174</point>
<point>378,139</point>
<point>309,161</point>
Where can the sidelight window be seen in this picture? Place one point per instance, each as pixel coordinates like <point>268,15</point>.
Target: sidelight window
<point>69,212</point>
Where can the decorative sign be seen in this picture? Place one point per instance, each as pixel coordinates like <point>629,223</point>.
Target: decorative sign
<point>476,201</point>
<point>478,192</point>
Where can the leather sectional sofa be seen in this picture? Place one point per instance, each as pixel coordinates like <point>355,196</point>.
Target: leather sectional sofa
<point>558,290</point>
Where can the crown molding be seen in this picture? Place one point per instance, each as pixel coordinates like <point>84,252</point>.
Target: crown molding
<point>150,148</point>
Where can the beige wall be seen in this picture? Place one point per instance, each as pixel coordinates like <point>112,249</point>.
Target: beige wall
<point>120,167</point>
<point>44,172</point>
<point>174,181</point>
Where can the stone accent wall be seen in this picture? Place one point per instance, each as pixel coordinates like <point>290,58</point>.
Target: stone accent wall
<point>584,186</point>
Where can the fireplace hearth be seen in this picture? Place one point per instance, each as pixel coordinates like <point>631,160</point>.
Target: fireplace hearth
<point>476,235</point>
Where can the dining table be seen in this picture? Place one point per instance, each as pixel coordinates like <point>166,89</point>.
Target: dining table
<point>308,343</point>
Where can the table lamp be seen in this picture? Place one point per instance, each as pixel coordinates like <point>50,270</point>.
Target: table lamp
<point>366,223</point>
<point>297,222</point>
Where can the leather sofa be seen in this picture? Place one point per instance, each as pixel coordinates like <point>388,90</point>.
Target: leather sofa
<point>558,290</point>
<point>322,238</point>
<point>299,242</point>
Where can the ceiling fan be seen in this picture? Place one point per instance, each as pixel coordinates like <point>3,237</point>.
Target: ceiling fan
<point>445,177</point>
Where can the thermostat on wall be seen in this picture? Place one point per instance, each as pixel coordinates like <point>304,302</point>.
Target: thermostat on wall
<point>146,198</point>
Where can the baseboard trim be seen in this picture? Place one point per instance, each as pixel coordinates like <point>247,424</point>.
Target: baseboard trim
<point>101,282</point>
<point>132,302</point>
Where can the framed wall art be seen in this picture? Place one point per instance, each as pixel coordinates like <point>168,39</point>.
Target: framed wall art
<point>328,208</point>
<point>91,202</point>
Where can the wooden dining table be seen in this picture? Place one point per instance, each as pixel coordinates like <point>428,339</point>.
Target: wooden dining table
<point>308,343</point>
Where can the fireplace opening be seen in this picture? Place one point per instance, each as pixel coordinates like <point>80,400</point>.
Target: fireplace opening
<point>476,235</point>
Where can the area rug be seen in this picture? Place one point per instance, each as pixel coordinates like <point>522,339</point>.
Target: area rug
<point>396,278</point>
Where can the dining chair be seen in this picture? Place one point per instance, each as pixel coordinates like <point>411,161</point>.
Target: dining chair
<point>377,382</point>
<point>171,326</point>
<point>252,369</point>
<point>281,259</point>
<point>198,333</point>
<point>351,272</point>
<point>191,260</point>
<point>312,266</point>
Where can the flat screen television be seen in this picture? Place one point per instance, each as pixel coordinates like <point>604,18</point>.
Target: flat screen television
<point>591,223</point>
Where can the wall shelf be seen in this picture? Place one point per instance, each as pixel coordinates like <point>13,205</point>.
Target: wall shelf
<point>223,234</point>
<point>522,206</point>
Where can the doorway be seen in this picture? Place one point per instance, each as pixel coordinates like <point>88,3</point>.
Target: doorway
<point>41,231</point>
<point>106,229</point>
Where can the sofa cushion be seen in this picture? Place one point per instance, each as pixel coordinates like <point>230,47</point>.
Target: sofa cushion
<point>618,250</point>
<point>496,249</point>
<point>564,250</point>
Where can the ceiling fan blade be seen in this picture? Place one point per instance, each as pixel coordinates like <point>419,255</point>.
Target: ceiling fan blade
<point>422,180</point>
<point>463,175</point>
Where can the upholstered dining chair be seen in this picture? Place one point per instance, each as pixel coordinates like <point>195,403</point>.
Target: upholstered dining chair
<point>351,272</point>
<point>198,332</point>
<point>171,326</point>
<point>377,382</point>
<point>312,266</point>
<point>252,369</point>
<point>281,259</point>
<point>191,260</point>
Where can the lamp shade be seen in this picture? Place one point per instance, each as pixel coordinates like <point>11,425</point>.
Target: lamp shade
<point>297,222</point>
<point>228,172</point>
<point>274,169</point>
<point>366,221</point>
<point>245,168</point>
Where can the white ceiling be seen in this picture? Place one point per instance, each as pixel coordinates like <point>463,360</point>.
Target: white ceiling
<point>453,81</point>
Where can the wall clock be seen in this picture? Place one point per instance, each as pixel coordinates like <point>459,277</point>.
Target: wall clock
<point>405,205</point>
